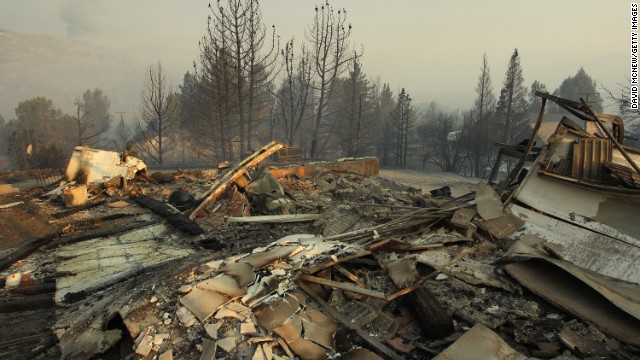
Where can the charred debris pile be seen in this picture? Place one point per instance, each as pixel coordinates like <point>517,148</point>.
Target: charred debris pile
<point>316,261</point>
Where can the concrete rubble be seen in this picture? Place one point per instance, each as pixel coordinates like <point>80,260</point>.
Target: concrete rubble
<point>250,261</point>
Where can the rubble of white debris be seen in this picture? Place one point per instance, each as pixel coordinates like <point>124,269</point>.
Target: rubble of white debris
<point>256,261</point>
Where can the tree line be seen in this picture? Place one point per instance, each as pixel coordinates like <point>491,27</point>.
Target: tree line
<point>247,86</point>
<point>42,133</point>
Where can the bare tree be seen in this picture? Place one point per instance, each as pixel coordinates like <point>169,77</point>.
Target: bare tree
<point>123,133</point>
<point>262,64</point>
<point>234,74</point>
<point>328,36</point>
<point>213,97</point>
<point>440,134</point>
<point>295,92</point>
<point>88,132</point>
<point>622,102</point>
<point>535,102</point>
<point>158,115</point>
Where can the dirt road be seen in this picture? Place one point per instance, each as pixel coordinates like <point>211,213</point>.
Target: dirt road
<point>429,180</point>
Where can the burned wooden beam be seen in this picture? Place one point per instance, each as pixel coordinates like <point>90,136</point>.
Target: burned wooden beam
<point>26,303</point>
<point>274,219</point>
<point>102,233</point>
<point>178,220</point>
<point>234,174</point>
<point>436,321</point>
<point>77,209</point>
<point>383,349</point>
<point>23,250</point>
<point>343,286</point>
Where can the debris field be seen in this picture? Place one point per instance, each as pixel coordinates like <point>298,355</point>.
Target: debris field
<point>260,260</point>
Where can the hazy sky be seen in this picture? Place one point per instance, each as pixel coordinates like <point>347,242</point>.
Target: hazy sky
<point>432,48</point>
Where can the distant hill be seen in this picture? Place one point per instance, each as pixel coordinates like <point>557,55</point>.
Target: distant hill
<point>62,69</point>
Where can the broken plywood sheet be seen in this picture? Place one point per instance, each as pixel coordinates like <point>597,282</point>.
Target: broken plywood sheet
<point>462,217</point>
<point>612,304</point>
<point>339,220</point>
<point>501,227</point>
<point>264,258</point>
<point>583,247</point>
<point>100,165</point>
<point>480,342</point>
<point>581,345</point>
<point>97,263</point>
<point>467,270</point>
<point>488,203</point>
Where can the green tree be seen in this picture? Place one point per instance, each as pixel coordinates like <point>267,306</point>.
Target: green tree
<point>386,103</point>
<point>581,85</point>
<point>535,102</point>
<point>41,116</point>
<point>92,119</point>
<point>440,134</point>
<point>189,104</point>
<point>97,105</point>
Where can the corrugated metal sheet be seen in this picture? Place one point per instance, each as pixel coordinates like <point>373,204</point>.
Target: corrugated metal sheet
<point>583,247</point>
<point>588,156</point>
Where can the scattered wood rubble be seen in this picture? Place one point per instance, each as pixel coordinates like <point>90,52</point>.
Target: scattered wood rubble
<point>254,261</point>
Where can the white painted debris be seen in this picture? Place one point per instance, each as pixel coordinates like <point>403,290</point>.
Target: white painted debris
<point>100,165</point>
<point>13,280</point>
<point>185,316</point>
<point>6,206</point>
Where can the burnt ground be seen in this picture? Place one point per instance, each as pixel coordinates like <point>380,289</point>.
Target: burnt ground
<point>22,222</point>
